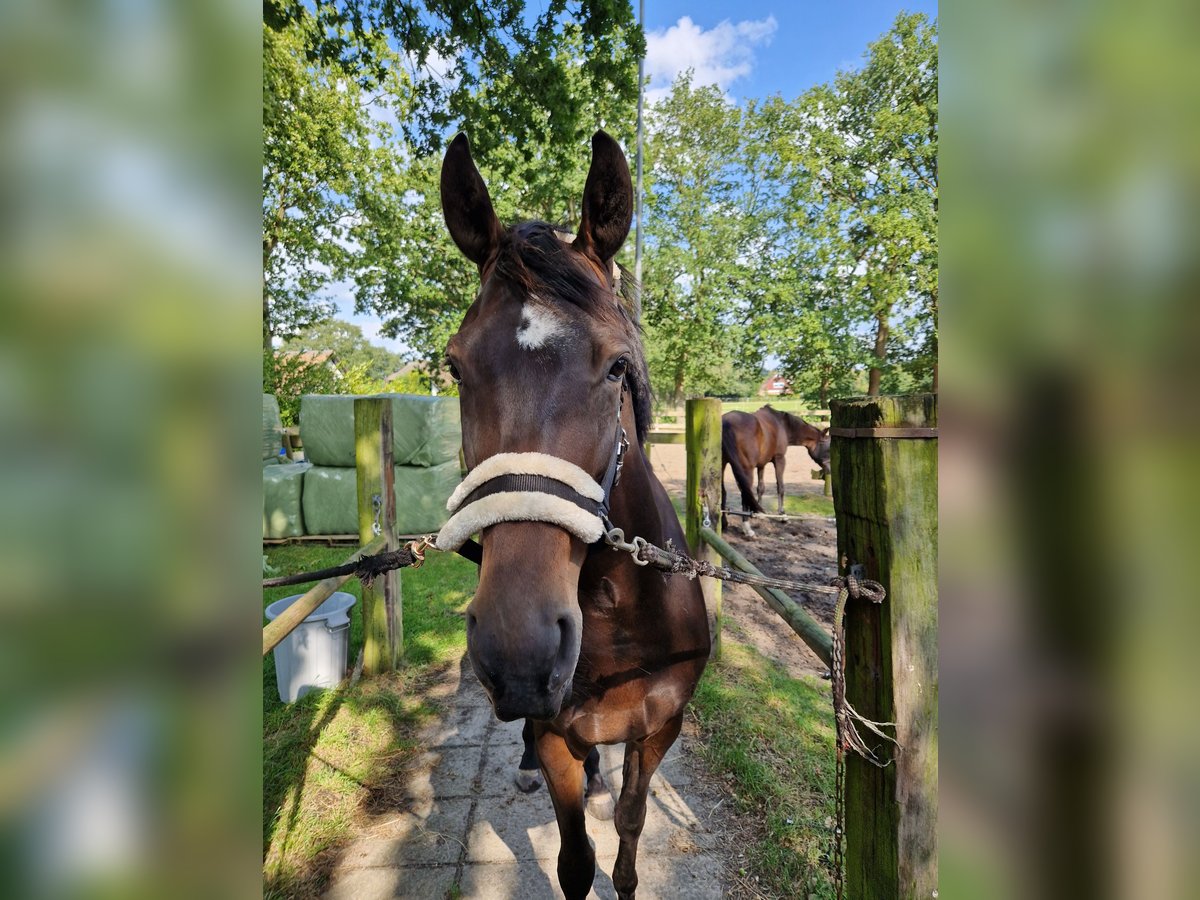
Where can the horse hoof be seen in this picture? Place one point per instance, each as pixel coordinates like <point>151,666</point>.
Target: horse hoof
<point>528,780</point>
<point>601,807</point>
<point>599,799</point>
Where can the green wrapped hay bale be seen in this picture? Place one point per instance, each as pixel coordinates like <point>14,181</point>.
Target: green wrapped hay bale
<point>282,507</point>
<point>421,495</point>
<point>272,433</point>
<point>425,430</point>
<point>327,431</point>
<point>331,498</point>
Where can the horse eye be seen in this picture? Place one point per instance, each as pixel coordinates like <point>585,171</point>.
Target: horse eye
<point>454,374</point>
<point>617,372</point>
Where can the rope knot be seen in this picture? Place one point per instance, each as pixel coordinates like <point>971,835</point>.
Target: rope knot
<point>862,588</point>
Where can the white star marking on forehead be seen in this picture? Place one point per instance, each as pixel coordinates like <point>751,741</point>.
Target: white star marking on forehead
<point>539,326</point>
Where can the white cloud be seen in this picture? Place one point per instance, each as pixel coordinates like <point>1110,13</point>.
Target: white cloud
<point>720,55</point>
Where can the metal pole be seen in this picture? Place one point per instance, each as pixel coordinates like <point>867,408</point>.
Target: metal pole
<point>637,242</point>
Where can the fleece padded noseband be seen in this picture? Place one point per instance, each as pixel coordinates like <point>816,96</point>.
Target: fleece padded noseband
<point>533,487</point>
<point>525,487</point>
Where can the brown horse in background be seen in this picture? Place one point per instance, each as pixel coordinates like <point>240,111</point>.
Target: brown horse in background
<point>751,440</point>
<point>563,630</point>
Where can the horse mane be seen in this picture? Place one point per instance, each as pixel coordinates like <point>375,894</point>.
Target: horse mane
<point>532,257</point>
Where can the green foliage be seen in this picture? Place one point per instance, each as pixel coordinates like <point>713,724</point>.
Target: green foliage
<point>420,285</point>
<point>325,154</point>
<point>860,156</point>
<point>484,62</point>
<point>351,348</point>
<point>289,378</point>
<point>804,230</point>
<point>703,209</point>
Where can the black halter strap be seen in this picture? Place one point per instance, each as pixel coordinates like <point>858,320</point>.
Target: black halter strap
<point>473,550</point>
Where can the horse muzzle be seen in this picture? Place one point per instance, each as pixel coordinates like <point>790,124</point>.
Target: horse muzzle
<point>524,625</point>
<point>526,673</point>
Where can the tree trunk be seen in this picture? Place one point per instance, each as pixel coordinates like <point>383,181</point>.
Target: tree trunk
<point>824,392</point>
<point>267,335</point>
<point>270,241</point>
<point>880,353</point>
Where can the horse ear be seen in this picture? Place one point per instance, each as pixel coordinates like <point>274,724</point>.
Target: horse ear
<point>607,200</point>
<point>466,205</point>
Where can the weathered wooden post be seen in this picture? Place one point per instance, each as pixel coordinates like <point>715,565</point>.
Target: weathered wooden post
<point>885,479</point>
<point>704,496</point>
<point>383,615</point>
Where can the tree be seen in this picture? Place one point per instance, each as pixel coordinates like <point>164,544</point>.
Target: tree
<point>704,240</point>
<point>325,154</point>
<point>352,349</point>
<point>479,60</point>
<point>418,283</point>
<point>863,157</point>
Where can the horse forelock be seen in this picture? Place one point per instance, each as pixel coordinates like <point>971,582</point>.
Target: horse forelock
<point>545,270</point>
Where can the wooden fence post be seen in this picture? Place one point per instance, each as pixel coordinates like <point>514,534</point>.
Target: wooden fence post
<point>383,615</point>
<point>704,494</point>
<point>885,479</point>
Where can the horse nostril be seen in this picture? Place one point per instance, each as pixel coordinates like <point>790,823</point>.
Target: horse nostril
<point>470,622</point>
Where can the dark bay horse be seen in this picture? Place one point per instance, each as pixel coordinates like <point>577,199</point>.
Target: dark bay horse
<point>563,630</point>
<point>751,440</point>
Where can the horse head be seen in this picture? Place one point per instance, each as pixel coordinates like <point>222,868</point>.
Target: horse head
<point>551,379</point>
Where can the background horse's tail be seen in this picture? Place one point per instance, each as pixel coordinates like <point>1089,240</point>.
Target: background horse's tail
<point>730,451</point>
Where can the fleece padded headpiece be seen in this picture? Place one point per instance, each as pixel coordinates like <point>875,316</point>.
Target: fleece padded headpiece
<point>524,487</point>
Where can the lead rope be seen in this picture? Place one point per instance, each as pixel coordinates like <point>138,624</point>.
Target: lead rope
<point>846,718</point>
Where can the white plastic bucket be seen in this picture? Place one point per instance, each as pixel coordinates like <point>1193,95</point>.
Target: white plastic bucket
<point>315,655</point>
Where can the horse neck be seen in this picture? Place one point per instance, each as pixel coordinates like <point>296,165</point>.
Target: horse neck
<point>800,433</point>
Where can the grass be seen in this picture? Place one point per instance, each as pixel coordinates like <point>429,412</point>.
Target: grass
<point>804,504</point>
<point>793,504</point>
<point>331,755</point>
<point>791,405</point>
<point>772,736</point>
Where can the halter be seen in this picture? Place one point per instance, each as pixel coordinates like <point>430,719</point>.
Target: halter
<point>537,487</point>
<point>534,487</point>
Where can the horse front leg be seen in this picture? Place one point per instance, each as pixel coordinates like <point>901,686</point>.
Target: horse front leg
<point>779,464</point>
<point>529,774</point>
<point>564,779</point>
<point>641,762</point>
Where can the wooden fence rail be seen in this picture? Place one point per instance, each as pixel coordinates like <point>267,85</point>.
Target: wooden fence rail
<point>288,620</point>
<point>806,627</point>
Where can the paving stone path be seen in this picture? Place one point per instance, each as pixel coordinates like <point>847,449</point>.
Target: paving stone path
<point>464,830</point>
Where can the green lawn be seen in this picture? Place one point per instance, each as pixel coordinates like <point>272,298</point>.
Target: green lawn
<point>333,754</point>
<point>774,735</point>
<point>783,404</point>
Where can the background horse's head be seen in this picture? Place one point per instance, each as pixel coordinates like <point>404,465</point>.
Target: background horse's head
<point>821,453</point>
<point>799,432</point>
<point>547,358</point>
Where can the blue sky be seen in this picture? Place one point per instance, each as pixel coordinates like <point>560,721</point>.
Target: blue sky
<point>784,46</point>
<point>751,48</point>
